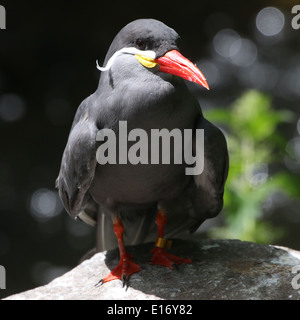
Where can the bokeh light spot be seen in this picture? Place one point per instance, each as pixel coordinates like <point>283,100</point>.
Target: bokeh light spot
<point>270,21</point>
<point>223,42</point>
<point>298,126</point>
<point>12,107</point>
<point>45,204</point>
<point>210,71</point>
<point>243,52</point>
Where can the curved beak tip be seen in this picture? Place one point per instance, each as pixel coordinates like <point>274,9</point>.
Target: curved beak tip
<point>205,85</point>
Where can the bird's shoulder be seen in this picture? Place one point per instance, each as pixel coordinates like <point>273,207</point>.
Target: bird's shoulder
<point>85,110</point>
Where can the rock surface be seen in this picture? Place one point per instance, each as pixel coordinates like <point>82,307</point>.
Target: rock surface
<point>221,269</point>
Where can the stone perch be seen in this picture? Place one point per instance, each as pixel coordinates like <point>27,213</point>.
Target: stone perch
<point>221,269</point>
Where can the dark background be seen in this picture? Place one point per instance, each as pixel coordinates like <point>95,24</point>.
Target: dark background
<point>47,67</point>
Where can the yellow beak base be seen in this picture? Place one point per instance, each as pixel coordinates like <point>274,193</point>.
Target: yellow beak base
<point>146,61</point>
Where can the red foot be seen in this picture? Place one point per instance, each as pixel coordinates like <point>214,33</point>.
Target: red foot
<point>123,270</point>
<point>161,257</point>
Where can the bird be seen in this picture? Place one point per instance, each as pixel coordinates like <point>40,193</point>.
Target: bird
<point>143,84</point>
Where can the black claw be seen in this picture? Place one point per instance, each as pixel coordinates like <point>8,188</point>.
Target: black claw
<point>99,283</point>
<point>124,279</point>
<point>175,266</point>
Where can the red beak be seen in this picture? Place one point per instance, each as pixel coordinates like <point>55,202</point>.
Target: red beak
<point>175,63</point>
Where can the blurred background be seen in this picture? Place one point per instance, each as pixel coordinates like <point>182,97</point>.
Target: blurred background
<point>250,55</point>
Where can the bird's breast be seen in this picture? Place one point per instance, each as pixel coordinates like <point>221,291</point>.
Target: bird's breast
<point>141,158</point>
<point>142,161</point>
<point>138,184</point>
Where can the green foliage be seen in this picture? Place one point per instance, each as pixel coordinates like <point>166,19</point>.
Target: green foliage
<point>254,143</point>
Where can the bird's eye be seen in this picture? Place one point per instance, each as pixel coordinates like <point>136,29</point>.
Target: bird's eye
<point>141,44</point>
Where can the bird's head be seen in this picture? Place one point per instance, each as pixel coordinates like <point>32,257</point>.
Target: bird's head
<point>155,46</point>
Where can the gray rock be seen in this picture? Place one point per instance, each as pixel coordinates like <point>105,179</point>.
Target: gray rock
<point>221,269</point>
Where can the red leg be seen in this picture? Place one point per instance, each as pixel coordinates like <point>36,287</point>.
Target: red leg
<point>126,266</point>
<point>160,256</point>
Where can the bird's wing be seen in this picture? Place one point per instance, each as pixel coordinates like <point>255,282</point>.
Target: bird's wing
<point>78,163</point>
<point>203,197</point>
<point>208,200</point>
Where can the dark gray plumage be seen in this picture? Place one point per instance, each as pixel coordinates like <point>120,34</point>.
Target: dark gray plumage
<point>147,99</point>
